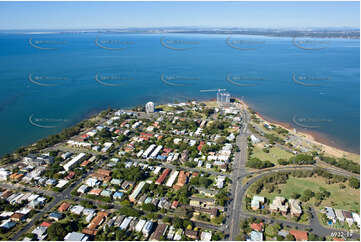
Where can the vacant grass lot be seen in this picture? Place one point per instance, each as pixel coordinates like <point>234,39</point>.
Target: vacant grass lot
<point>274,154</point>
<point>346,198</point>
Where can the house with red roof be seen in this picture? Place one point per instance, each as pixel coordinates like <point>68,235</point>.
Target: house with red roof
<point>167,150</point>
<point>70,175</point>
<point>174,204</point>
<point>299,235</point>
<point>257,227</point>
<point>146,136</point>
<point>95,191</point>
<point>85,136</point>
<point>200,146</point>
<point>45,224</point>
<point>84,163</point>
<point>63,207</point>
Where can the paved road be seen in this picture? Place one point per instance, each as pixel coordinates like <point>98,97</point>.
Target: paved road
<point>238,170</point>
<point>234,210</point>
<point>39,215</point>
<point>314,224</point>
<point>57,198</point>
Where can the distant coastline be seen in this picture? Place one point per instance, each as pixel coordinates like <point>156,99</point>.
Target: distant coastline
<point>327,33</point>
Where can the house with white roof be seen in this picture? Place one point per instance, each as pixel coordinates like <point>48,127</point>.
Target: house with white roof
<point>4,174</point>
<point>76,236</point>
<point>40,232</point>
<point>140,225</point>
<point>77,209</point>
<point>256,202</point>
<point>339,215</point>
<point>330,214</point>
<point>178,234</point>
<point>74,161</point>
<point>125,223</point>
<point>83,189</point>
<point>62,183</point>
<point>171,233</point>
<point>255,236</point>
<point>254,139</point>
<point>206,236</point>
<point>92,182</point>
<point>356,218</point>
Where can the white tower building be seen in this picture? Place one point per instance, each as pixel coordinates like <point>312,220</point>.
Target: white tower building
<point>149,107</point>
<point>223,97</point>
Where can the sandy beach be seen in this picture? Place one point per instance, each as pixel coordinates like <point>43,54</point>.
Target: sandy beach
<point>311,136</point>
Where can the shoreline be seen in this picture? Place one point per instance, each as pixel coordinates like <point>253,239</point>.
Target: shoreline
<point>314,137</point>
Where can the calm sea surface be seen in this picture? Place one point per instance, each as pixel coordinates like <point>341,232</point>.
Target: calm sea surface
<point>51,81</point>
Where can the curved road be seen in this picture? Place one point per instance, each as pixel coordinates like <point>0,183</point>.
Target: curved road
<point>314,225</point>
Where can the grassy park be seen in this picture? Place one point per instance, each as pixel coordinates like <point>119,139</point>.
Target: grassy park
<point>274,154</point>
<point>346,198</point>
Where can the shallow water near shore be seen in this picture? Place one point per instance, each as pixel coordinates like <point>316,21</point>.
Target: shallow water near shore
<point>60,86</point>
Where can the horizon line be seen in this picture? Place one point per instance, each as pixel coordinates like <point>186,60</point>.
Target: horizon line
<point>160,27</point>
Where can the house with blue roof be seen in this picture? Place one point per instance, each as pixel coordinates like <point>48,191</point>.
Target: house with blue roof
<point>148,200</point>
<point>7,224</point>
<point>118,195</point>
<point>255,236</point>
<point>56,216</point>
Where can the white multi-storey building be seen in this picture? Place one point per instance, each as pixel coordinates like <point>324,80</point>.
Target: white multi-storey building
<point>149,107</point>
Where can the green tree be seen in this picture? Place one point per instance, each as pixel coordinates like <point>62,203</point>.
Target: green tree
<point>295,195</point>
<point>177,223</point>
<point>272,230</point>
<point>313,237</point>
<point>129,211</point>
<point>354,183</point>
<point>149,207</point>
<point>56,231</point>
<point>290,237</point>
<point>166,219</point>
<point>307,195</point>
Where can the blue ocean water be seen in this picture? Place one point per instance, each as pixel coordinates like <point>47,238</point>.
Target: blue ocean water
<point>51,81</point>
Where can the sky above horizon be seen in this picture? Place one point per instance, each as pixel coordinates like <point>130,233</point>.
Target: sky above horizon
<point>83,15</point>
